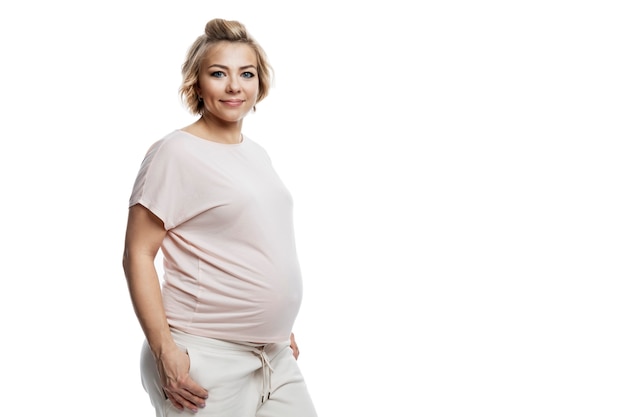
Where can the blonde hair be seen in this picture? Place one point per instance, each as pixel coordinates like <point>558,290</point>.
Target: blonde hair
<point>218,30</point>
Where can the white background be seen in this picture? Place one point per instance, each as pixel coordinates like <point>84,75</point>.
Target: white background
<point>458,173</point>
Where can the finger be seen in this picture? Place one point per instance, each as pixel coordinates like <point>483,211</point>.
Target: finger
<point>191,391</point>
<point>195,389</point>
<point>184,399</point>
<point>296,351</point>
<point>172,398</point>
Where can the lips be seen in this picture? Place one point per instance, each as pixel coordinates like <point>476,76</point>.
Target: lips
<point>233,103</point>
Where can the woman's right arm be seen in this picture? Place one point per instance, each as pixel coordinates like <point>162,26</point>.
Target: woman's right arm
<point>144,234</point>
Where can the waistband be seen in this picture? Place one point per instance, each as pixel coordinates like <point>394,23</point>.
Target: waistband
<point>258,349</point>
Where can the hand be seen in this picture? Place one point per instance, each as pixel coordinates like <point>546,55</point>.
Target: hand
<point>181,390</point>
<point>294,346</point>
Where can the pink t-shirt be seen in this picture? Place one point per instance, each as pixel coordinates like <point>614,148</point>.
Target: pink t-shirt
<point>230,265</point>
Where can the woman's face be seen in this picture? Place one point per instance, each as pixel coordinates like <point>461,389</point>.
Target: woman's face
<point>228,82</point>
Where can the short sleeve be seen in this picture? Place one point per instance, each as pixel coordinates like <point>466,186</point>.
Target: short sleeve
<point>159,185</point>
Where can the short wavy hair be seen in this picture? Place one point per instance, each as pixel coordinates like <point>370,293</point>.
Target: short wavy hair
<point>218,30</point>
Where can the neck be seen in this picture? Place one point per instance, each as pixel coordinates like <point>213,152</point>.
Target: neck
<point>219,131</point>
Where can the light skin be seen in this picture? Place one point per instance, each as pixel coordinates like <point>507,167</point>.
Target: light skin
<point>228,85</point>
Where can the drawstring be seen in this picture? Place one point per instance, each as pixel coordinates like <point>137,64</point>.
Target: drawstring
<point>267,370</point>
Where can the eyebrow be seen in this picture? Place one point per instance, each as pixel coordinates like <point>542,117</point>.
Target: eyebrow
<point>225,67</point>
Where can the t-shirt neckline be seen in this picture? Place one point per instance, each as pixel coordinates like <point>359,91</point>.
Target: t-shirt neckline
<point>243,139</point>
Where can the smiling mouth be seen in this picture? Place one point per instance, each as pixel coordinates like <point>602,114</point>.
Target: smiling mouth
<point>232,102</point>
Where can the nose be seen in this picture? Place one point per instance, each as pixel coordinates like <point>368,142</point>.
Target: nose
<point>233,85</point>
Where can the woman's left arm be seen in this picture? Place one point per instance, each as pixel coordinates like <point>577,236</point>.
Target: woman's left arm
<point>294,346</point>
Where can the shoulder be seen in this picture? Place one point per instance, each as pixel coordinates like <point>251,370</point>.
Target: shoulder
<point>171,144</point>
<point>255,146</point>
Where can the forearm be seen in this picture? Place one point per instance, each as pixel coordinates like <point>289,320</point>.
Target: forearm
<point>145,293</point>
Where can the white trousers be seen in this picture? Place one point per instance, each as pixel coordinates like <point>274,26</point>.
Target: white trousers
<point>243,380</point>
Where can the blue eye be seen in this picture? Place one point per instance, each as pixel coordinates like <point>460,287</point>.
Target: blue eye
<point>247,74</point>
<point>218,74</point>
